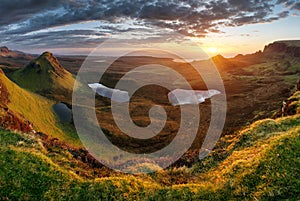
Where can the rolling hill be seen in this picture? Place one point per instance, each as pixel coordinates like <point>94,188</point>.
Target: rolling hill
<point>46,77</point>
<point>25,111</point>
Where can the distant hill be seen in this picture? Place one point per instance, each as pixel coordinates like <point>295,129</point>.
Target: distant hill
<point>5,52</point>
<point>223,63</point>
<point>276,50</point>
<point>45,76</point>
<point>11,59</point>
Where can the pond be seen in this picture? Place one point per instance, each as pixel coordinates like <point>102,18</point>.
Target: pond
<point>63,112</point>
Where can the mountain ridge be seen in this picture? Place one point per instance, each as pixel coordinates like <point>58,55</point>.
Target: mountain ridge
<point>6,52</point>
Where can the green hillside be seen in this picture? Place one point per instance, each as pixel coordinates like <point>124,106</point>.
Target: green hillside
<point>37,110</point>
<point>260,162</point>
<point>47,77</point>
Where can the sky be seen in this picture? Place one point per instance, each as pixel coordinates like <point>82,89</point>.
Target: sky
<point>226,27</point>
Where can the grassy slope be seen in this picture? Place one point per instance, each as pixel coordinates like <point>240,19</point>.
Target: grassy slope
<point>37,110</point>
<point>259,163</point>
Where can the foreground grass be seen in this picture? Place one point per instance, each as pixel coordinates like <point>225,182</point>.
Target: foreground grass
<point>260,162</point>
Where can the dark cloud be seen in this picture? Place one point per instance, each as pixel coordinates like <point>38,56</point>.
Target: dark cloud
<point>242,5</point>
<point>189,17</point>
<point>286,3</point>
<point>80,38</point>
<point>292,4</point>
<point>201,14</point>
<point>164,11</point>
<point>13,11</point>
<point>296,6</point>
<point>283,14</point>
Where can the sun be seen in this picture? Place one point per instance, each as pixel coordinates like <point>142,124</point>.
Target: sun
<point>212,50</point>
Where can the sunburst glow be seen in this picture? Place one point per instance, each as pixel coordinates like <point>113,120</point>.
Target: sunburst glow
<point>212,50</point>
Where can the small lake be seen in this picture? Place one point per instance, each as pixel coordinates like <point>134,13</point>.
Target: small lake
<point>63,112</point>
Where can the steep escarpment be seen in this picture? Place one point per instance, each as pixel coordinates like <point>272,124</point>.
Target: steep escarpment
<point>288,48</point>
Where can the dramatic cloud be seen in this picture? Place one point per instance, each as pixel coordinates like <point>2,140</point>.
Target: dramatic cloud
<point>191,18</point>
<point>165,14</point>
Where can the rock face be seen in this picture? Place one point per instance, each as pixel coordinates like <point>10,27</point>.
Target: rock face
<point>291,48</point>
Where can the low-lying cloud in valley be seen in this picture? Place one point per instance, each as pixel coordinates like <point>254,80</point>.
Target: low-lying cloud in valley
<point>176,97</point>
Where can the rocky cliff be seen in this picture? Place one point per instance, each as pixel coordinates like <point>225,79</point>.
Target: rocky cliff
<point>290,48</point>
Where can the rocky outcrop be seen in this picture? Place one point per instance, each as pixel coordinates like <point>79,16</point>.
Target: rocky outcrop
<point>47,63</point>
<point>4,50</point>
<point>290,48</point>
<point>57,68</point>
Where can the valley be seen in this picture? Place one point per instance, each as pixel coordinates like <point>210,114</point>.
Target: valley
<point>256,155</point>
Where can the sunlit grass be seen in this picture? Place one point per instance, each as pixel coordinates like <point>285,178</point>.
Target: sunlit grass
<point>37,110</point>
<point>259,162</point>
